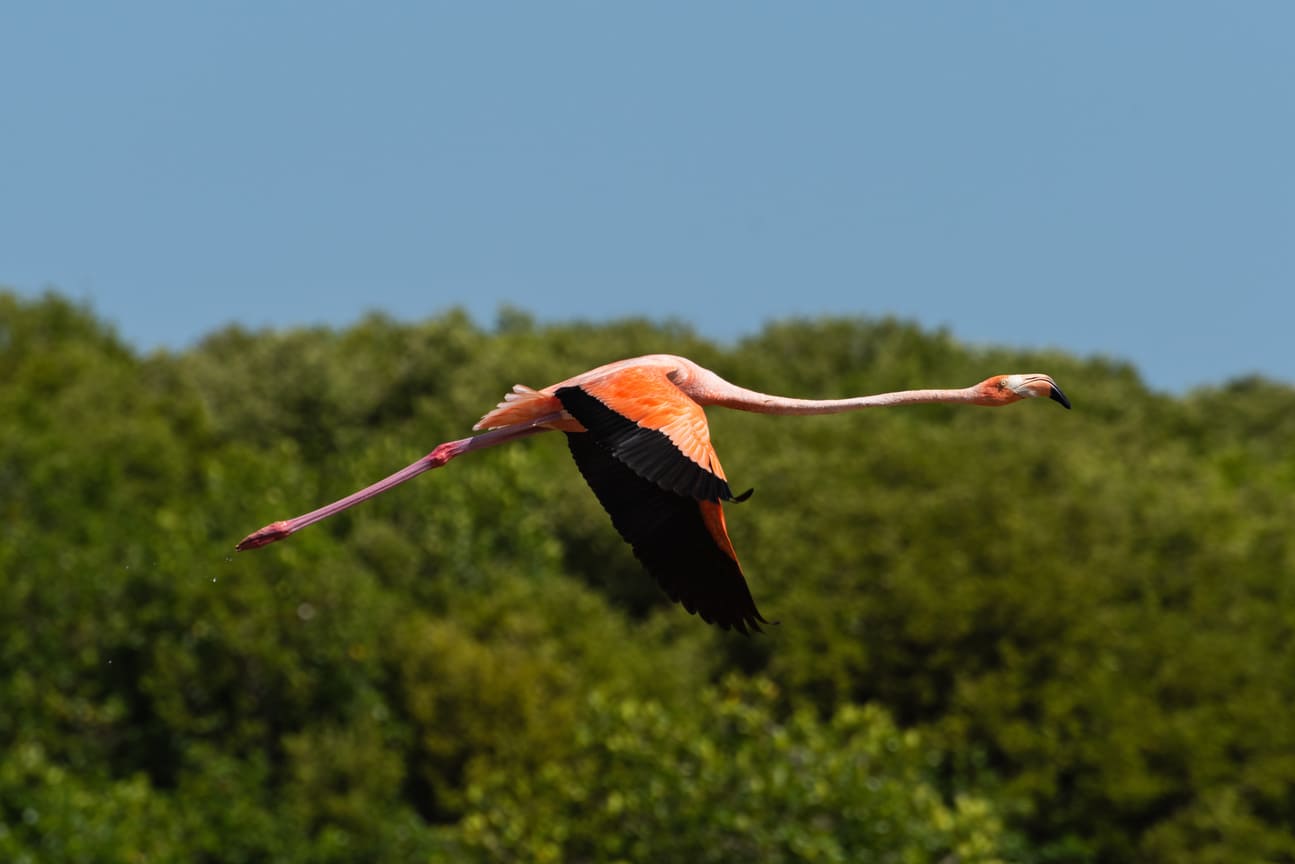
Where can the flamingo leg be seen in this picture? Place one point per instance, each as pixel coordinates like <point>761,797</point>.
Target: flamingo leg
<point>442,454</point>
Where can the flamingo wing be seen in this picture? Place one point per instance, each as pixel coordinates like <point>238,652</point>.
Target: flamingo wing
<point>651,426</point>
<point>681,541</point>
<point>646,453</point>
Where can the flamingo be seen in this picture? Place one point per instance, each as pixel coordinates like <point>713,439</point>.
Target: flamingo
<point>637,431</point>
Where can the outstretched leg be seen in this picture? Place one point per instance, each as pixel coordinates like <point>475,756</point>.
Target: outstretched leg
<point>438,457</point>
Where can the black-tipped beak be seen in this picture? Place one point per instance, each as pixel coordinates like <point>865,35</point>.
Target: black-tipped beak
<point>1057,396</point>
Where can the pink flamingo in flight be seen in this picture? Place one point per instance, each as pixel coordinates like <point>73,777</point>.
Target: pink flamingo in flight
<point>638,434</point>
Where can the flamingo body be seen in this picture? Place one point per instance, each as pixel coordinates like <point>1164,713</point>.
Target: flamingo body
<point>638,433</point>
<point>643,446</point>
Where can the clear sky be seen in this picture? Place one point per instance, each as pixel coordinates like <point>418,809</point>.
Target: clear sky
<point>1106,178</point>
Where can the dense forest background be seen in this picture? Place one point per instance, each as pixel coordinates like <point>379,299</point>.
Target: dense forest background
<point>1005,635</point>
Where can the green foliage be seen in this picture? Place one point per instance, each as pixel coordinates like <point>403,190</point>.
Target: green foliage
<point>726,779</point>
<point>48,813</point>
<point>1080,622</point>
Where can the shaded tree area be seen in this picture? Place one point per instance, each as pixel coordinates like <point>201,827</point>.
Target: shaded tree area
<point>1005,635</point>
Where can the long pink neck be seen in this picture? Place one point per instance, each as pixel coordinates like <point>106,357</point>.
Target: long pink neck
<point>721,392</point>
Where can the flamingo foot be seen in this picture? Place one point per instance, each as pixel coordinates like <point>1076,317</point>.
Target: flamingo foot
<point>264,537</point>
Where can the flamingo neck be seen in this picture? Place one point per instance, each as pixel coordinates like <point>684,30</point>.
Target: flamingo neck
<point>722,393</point>
<point>762,403</point>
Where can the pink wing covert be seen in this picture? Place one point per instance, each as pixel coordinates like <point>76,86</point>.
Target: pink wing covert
<point>650,399</point>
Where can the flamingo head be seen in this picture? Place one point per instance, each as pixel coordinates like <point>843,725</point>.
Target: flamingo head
<point>1006,389</point>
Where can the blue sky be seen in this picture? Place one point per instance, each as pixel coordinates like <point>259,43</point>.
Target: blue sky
<point>1104,178</point>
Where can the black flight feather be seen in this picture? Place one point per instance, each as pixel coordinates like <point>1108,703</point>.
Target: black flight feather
<point>649,453</point>
<point>670,538</point>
